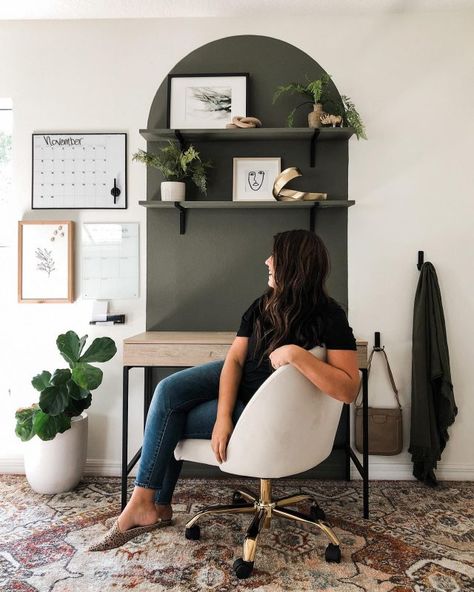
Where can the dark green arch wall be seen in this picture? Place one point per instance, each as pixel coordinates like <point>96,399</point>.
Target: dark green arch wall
<point>205,279</point>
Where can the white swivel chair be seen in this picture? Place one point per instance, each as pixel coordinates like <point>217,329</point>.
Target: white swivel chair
<point>288,427</point>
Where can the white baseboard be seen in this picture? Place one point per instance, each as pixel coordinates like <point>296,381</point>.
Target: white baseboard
<point>94,467</point>
<point>12,464</point>
<point>403,471</point>
<point>378,471</point>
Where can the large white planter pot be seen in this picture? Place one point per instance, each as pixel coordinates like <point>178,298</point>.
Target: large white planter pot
<point>173,191</point>
<point>57,465</point>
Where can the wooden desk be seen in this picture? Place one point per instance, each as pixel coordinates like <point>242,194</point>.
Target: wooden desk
<point>172,349</point>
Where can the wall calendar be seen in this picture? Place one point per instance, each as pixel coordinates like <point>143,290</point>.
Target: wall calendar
<point>79,171</point>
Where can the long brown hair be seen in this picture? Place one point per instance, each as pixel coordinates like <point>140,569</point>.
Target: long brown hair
<point>293,311</point>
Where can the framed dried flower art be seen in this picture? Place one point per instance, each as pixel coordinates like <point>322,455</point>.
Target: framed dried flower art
<point>45,261</point>
<point>205,101</point>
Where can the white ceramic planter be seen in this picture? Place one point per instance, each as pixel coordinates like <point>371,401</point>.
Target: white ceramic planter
<point>57,465</point>
<point>173,191</point>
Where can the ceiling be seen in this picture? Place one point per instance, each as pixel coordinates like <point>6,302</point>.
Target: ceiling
<point>107,9</point>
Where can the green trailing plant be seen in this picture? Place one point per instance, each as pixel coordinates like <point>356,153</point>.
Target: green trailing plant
<point>317,92</point>
<point>66,392</point>
<point>177,165</point>
<point>352,117</point>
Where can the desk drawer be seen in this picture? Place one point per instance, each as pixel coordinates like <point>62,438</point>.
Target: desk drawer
<point>174,355</point>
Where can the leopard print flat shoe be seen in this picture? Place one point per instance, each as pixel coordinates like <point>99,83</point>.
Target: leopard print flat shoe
<point>116,538</point>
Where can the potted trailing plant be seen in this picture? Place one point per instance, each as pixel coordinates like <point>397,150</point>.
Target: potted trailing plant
<point>317,94</point>
<point>54,461</point>
<point>176,166</point>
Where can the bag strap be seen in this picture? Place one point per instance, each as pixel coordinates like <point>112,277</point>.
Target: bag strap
<point>390,375</point>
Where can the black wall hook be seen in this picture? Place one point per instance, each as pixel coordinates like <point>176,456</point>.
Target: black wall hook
<point>421,259</point>
<point>377,341</point>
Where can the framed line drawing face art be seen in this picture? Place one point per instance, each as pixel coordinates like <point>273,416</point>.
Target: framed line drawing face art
<point>45,261</point>
<point>254,178</point>
<point>205,101</point>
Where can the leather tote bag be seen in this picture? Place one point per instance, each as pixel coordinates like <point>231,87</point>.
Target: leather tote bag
<point>385,425</point>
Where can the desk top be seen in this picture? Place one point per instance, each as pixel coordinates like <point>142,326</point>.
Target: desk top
<point>188,348</point>
<point>174,337</point>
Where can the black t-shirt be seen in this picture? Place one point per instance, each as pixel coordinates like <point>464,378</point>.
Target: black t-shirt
<point>337,334</point>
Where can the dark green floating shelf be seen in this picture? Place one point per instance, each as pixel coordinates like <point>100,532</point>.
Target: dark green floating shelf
<point>182,206</point>
<point>215,205</point>
<point>252,134</point>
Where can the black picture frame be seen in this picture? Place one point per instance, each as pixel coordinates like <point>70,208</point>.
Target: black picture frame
<point>171,77</point>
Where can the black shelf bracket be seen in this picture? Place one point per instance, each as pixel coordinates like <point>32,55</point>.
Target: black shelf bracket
<point>312,155</point>
<point>182,217</point>
<point>312,218</point>
<point>179,137</point>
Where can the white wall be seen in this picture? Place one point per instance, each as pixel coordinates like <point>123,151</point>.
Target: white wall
<point>410,76</point>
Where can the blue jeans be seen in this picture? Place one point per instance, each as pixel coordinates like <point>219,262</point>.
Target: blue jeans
<point>184,405</point>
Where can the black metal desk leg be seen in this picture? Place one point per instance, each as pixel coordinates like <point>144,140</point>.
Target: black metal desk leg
<point>365,430</point>
<point>347,444</point>
<point>126,370</point>
<point>147,392</point>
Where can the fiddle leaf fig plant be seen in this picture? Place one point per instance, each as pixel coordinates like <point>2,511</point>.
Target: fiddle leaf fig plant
<point>67,392</point>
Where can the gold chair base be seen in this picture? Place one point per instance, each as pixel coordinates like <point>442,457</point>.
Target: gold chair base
<point>264,509</point>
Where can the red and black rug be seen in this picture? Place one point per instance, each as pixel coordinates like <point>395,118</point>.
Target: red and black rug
<point>417,538</point>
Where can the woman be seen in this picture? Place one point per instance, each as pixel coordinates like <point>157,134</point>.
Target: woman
<point>295,314</point>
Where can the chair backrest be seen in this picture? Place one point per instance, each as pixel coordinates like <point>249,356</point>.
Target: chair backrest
<point>288,427</point>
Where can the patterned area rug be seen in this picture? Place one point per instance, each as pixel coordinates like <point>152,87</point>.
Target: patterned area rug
<point>417,539</point>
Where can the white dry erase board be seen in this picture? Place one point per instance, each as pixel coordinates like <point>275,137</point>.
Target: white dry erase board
<point>79,171</point>
<point>110,260</point>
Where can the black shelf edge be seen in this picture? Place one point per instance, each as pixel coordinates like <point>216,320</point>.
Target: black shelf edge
<point>328,203</point>
<point>270,133</point>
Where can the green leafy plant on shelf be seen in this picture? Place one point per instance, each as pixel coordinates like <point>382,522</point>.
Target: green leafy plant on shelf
<point>177,165</point>
<point>67,392</point>
<point>316,91</point>
<point>352,117</point>
<point>312,90</point>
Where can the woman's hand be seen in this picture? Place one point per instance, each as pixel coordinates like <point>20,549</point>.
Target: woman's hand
<point>223,428</point>
<point>283,355</point>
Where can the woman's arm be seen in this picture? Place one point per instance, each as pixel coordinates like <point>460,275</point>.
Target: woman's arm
<point>338,377</point>
<point>228,389</point>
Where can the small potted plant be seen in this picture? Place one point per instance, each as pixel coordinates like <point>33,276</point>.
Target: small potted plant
<point>55,460</point>
<point>317,94</point>
<point>176,166</point>
<point>313,91</point>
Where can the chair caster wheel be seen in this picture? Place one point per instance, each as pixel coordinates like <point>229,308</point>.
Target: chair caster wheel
<point>238,499</point>
<point>242,568</point>
<point>193,533</point>
<point>333,553</point>
<point>317,513</point>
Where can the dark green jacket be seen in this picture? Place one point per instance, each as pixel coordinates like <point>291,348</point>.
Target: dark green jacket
<point>433,407</point>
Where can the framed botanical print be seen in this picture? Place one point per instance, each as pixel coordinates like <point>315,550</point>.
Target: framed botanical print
<point>45,261</point>
<point>254,178</point>
<point>206,101</point>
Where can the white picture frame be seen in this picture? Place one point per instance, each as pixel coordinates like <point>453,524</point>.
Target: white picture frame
<point>206,101</point>
<point>253,178</point>
<point>45,261</point>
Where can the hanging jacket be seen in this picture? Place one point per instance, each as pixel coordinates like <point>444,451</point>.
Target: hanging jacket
<point>433,407</point>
